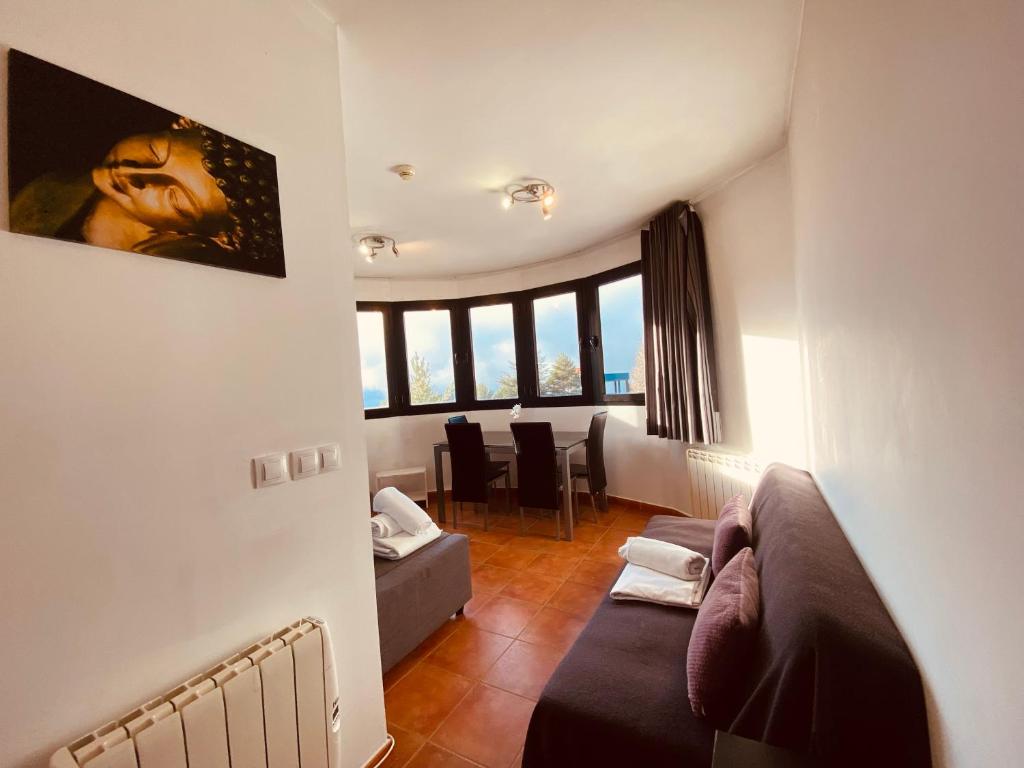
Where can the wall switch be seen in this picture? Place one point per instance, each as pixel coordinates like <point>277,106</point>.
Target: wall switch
<point>305,463</point>
<point>330,457</point>
<point>271,469</point>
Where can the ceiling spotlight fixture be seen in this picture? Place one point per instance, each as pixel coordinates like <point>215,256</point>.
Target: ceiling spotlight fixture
<point>537,191</point>
<point>405,171</point>
<point>370,244</point>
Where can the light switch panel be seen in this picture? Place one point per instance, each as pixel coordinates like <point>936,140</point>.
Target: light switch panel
<point>305,463</point>
<point>330,457</point>
<point>271,469</point>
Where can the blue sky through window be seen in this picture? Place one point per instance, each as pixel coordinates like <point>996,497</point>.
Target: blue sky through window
<point>557,334</point>
<point>622,328</point>
<point>371,359</point>
<point>494,348</point>
<point>428,339</point>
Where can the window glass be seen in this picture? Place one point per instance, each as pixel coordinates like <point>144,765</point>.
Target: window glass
<point>428,348</point>
<point>622,335</point>
<point>372,359</point>
<point>494,352</point>
<point>558,345</point>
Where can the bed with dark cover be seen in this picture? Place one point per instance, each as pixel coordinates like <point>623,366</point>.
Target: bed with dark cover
<point>831,676</point>
<point>417,594</point>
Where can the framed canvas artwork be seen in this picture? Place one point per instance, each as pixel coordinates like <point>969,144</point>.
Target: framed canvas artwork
<point>94,165</point>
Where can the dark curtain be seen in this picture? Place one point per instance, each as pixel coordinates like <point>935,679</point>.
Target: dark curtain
<point>682,380</point>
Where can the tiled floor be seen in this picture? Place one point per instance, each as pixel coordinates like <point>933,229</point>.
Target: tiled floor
<point>464,697</point>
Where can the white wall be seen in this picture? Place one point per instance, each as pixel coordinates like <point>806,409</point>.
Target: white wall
<point>135,390</point>
<point>908,180</point>
<point>608,255</point>
<point>639,466</point>
<point>748,228</point>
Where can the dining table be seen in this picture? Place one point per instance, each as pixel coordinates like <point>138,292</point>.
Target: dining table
<point>501,442</point>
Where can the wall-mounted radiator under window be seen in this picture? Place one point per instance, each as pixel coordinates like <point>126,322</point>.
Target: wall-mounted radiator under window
<point>273,705</point>
<point>717,476</point>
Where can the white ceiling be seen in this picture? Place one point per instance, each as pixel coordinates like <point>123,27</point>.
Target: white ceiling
<point>623,105</point>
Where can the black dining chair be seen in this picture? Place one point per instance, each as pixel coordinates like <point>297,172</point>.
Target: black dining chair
<point>593,471</point>
<point>537,468</point>
<point>472,472</point>
<point>460,419</point>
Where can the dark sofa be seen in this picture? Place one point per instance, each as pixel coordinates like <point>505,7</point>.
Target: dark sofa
<point>831,676</point>
<point>417,594</point>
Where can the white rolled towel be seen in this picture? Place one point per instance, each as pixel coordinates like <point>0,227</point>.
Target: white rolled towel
<point>664,557</point>
<point>384,525</point>
<point>403,510</point>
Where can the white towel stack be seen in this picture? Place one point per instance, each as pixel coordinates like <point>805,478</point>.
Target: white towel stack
<point>663,573</point>
<point>400,527</point>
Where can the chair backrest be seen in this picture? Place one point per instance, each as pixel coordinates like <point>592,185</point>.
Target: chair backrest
<point>597,480</point>
<point>460,419</point>
<point>536,464</point>
<point>469,462</point>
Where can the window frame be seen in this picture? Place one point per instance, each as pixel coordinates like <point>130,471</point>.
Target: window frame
<point>591,357</point>
<point>401,359</point>
<point>385,308</point>
<point>586,397</point>
<point>492,300</point>
<point>613,276</point>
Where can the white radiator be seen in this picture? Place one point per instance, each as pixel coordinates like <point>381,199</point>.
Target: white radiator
<point>717,476</point>
<point>273,705</point>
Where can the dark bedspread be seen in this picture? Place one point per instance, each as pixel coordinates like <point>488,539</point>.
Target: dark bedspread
<point>833,675</point>
<point>619,696</point>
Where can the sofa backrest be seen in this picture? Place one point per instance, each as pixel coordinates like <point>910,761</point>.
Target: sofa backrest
<point>832,674</point>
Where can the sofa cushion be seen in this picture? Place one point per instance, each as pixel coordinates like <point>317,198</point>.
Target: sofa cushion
<point>723,638</point>
<point>733,532</point>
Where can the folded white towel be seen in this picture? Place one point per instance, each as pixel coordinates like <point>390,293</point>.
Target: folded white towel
<point>403,510</point>
<point>639,583</point>
<point>662,556</point>
<point>384,525</point>
<point>404,544</point>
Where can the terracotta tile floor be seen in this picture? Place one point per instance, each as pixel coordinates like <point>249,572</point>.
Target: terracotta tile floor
<point>464,697</point>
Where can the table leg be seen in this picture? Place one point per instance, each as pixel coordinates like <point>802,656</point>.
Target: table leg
<point>439,480</point>
<point>566,493</point>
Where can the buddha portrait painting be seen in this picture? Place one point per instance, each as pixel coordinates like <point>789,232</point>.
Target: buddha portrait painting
<point>91,164</point>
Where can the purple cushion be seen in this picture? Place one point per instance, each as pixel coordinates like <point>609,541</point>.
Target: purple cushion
<point>732,533</point>
<point>722,642</point>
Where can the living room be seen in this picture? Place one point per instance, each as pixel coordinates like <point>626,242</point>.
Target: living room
<point>853,171</point>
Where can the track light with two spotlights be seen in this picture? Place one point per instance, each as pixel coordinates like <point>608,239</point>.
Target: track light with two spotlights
<point>537,191</point>
<point>370,244</point>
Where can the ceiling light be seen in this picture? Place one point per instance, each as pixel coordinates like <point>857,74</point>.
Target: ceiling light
<point>405,171</point>
<point>370,244</point>
<point>534,191</point>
